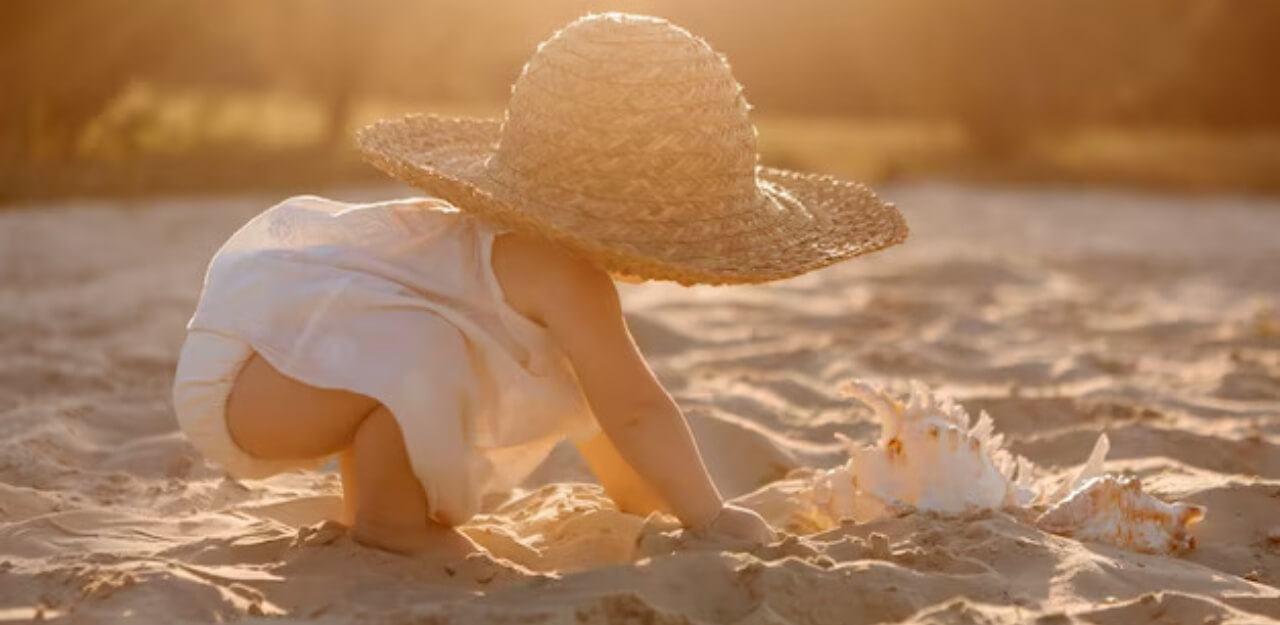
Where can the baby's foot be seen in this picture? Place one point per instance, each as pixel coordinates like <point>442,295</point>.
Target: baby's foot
<point>431,541</point>
<point>456,554</point>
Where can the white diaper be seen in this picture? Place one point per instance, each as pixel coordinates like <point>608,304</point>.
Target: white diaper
<point>398,302</point>
<point>207,369</point>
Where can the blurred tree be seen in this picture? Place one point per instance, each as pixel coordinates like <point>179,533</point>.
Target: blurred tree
<point>1007,70</point>
<point>56,83</point>
<point>323,48</point>
<point>1221,70</point>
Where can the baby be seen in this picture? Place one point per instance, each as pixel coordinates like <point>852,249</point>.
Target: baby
<point>441,346</point>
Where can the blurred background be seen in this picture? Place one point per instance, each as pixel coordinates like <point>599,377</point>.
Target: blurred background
<point>125,97</point>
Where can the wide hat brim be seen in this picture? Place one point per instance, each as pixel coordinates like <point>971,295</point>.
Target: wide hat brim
<point>797,222</point>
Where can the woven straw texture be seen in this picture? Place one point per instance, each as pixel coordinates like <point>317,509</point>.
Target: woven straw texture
<point>627,140</point>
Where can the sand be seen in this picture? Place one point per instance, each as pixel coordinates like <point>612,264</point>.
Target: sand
<point>1063,313</point>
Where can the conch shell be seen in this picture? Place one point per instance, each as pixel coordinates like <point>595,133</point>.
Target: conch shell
<point>1116,511</point>
<point>929,457</point>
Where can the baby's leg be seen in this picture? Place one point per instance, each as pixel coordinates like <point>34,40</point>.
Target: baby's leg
<point>391,509</point>
<point>350,492</point>
<point>273,416</point>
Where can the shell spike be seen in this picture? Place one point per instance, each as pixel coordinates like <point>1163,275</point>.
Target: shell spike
<point>960,416</point>
<point>887,410</point>
<point>921,399</point>
<point>1026,472</point>
<point>1092,468</point>
<point>871,395</point>
<point>984,428</point>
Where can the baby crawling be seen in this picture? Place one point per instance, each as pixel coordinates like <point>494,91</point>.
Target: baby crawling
<point>643,454</point>
<point>440,346</point>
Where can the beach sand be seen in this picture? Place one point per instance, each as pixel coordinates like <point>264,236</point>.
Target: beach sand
<point>1064,313</point>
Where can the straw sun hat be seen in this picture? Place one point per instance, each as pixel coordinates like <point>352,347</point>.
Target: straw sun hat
<point>626,139</point>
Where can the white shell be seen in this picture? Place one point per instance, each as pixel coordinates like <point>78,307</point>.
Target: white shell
<point>930,458</point>
<point>834,491</point>
<point>1092,468</point>
<point>1116,511</point>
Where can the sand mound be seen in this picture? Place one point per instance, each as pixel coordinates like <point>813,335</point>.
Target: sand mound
<point>1065,315</point>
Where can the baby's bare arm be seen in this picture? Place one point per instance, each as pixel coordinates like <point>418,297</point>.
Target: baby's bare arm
<point>578,304</point>
<point>627,488</point>
<point>641,420</point>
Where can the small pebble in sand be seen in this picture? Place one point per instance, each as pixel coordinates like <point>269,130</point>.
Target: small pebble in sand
<point>1273,535</point>
<point>879,544</point>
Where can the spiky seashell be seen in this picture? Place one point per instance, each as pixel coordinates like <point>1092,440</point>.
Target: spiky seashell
<point>1090,469</point>
<point>1116,511</point>
<point>931,458</point>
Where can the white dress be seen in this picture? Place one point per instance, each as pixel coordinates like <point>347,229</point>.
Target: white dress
<point>396,301</point>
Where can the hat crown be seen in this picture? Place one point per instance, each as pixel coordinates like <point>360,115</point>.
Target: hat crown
<point>623,107</point>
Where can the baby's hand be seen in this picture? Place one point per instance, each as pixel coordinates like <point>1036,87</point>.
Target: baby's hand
<point>742,523</point>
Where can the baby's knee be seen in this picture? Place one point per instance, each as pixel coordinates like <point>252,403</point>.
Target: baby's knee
<point>379,429</point>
